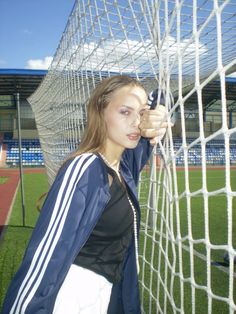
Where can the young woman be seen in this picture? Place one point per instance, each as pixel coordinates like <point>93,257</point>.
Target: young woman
<point>83,253</point>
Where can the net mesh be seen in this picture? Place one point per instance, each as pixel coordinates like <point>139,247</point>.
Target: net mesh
<point>188,216</point>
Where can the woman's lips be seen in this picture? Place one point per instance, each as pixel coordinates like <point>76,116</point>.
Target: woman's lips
<point>133,136</point>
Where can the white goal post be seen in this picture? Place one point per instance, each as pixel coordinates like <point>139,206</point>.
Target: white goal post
<point>188,228</point>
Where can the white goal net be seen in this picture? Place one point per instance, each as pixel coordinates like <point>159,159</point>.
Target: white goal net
<point>188,191</point>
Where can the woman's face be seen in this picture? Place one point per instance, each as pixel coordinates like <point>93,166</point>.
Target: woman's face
<point>122,117</point>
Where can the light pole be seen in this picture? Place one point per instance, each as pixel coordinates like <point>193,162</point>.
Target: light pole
<point>20,158</point>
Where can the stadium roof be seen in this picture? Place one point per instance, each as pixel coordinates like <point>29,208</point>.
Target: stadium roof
<point>211,96</point>
<point>26,82</point>
<point>20,81</point>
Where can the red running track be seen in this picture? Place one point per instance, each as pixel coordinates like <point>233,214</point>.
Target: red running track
<point>8,191</point>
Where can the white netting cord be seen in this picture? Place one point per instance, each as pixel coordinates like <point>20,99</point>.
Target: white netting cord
<point>177,208</point>
<point>169,45</point>
<point>203,155</point>
<point>231,251</point>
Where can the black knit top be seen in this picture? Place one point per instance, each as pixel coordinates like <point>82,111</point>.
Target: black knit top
<point>105,250</point>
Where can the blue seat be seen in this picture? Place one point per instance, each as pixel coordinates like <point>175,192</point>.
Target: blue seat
<point>30,151</point>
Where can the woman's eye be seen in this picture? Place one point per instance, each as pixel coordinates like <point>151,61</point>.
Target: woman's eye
<point>124,112</point>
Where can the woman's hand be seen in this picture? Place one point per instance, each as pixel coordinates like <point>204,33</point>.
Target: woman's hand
<point>153,124</point>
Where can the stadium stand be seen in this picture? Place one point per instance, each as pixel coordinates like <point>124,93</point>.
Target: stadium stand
<point>31,152</point>
<point>215,153</point>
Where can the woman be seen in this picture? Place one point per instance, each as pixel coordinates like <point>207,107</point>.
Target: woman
<point>83,253</point>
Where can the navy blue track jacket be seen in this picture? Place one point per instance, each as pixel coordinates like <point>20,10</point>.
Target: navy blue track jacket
<point>73,205</point>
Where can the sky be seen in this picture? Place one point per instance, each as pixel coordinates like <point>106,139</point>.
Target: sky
<point>30,31</point>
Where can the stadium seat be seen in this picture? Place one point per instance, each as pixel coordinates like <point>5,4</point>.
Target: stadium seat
<point>31,153</point>
<point>215,152</point>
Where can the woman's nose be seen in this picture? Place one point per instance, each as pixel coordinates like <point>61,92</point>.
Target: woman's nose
<point>136,120</point>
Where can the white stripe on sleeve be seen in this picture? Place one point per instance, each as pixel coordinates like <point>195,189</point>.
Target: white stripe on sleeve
<point>48,243</point>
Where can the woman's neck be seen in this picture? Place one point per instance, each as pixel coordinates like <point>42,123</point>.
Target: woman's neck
<point>112,159</point>
<point>112,156</point>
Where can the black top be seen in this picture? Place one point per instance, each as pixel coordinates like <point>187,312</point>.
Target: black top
<point>107,245</point>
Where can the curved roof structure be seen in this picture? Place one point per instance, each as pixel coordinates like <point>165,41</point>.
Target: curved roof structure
<point>22,81</point>
<point>211,96</point>
<point>25,82</point>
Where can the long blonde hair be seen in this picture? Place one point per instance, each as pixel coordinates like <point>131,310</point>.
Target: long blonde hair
<point>94,136</point>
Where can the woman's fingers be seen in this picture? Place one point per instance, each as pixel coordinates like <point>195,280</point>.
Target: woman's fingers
<point>156,125</point>
<point>153,124</point>
<point>151,133</point>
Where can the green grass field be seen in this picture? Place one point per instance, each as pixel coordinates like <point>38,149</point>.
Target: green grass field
<point>16,236</point>
<point>172,259</point>
<point>182,265</point>
<point>3,180</point>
